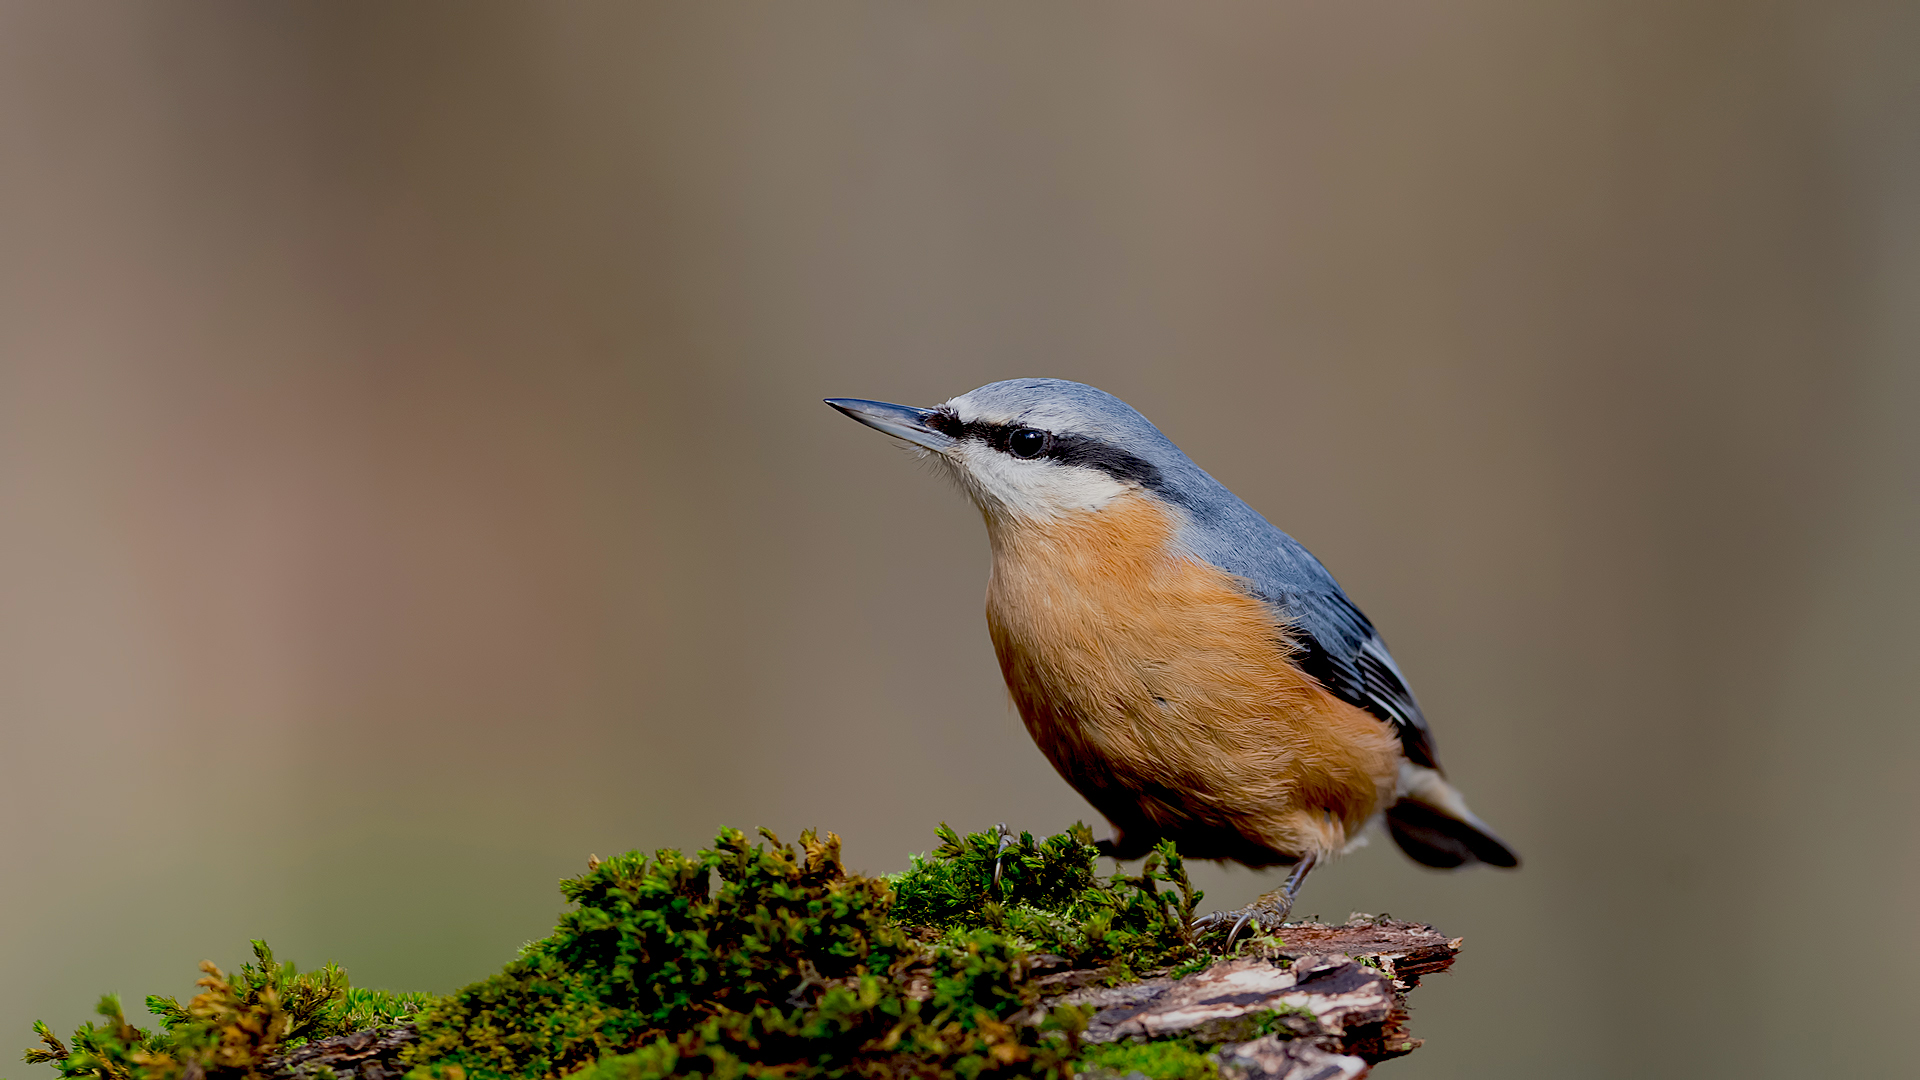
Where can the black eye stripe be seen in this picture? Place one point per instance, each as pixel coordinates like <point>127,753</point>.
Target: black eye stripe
<point>1065,447</point>
<point>1088,452</point>
<point>946,423</point>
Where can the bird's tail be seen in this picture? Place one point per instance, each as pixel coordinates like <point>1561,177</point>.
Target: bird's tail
<point>1432,824</point>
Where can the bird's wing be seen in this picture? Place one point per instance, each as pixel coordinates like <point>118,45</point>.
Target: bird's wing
<point>1337,645</point>
<point>1340,648</point>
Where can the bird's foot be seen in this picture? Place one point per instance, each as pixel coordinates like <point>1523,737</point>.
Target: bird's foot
<point>1271,909</point>
<point>1267,913</point>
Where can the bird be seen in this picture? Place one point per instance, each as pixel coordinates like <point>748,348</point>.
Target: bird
<point>1187,667</point>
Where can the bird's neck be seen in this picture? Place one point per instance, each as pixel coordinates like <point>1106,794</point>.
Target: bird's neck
<point>1125,539</point>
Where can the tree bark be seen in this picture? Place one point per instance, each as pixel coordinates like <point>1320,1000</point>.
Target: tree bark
<point>1325,1003</point>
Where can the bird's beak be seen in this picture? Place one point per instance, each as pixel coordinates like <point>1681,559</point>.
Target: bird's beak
<point>900,421</point>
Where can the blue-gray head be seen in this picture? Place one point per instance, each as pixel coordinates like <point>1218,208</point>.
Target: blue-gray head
<point>1040,448</point>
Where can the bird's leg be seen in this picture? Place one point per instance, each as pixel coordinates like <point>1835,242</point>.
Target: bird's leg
<point>1004,841</point>
<point>1270,908</point>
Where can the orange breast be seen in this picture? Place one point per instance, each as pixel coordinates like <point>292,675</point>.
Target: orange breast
<point>1163,692</point>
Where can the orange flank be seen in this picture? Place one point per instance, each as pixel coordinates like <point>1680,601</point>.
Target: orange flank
<point>1164,693</point>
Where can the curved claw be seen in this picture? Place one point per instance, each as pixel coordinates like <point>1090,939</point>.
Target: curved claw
<point>1005,836</point>
<point>1272,908</point>
<point>1239,924</point>
<point>1236,922</point>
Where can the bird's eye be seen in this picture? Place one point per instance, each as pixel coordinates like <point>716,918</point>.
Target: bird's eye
<point>1026,443</point>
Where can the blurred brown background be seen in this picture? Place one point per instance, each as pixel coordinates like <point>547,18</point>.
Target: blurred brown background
<point>413,476</point>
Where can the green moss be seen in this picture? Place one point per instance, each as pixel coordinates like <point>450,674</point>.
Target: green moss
<point>1051,900</point>
<point>232,1028</point>
<point>743,959</point>
<point>1171,1060</point>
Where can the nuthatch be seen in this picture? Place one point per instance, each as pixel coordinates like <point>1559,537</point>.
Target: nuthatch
<point>1191,670</point>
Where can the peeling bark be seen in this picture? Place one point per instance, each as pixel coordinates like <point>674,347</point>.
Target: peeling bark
<point>1325,1003</point>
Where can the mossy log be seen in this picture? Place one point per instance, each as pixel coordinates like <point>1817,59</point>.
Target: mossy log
<point>991,956</point>
<point>1317,1002</point>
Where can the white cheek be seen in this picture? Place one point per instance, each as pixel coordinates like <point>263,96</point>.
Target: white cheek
<point>1007,485</point>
